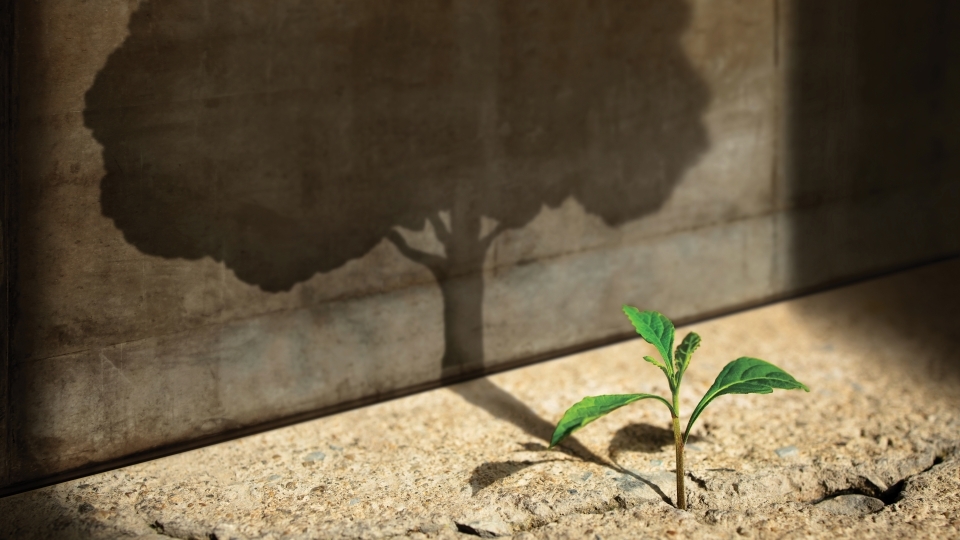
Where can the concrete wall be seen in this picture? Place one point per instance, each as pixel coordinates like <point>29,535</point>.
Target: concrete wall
<point>871,117</point>
<point>230,212</point>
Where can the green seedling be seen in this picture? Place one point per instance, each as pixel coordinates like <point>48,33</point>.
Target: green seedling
<point>742,376</point>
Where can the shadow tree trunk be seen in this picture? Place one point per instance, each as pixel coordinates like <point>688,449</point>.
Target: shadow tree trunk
<point>462,288</point>
<point>460,276</point>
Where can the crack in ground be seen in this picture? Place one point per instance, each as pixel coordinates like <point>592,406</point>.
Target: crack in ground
<point>697,480</point>
<point>467,529</point>
<point>159,529</point>
<point>889,496</point>
<point>873,488</point>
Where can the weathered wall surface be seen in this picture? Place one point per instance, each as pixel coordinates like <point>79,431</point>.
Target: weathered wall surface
<point>8,170</point>
<point>233,212</point>
<point>871,139</point>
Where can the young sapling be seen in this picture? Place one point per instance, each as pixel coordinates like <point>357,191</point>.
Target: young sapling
<point>742,376</point>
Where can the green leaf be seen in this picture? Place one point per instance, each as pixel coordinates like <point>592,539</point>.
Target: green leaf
<point>684,351</point>
<point>654,361</point>
<point>745,376</point>
<point>589,409</point>
<point>657,330</point>
<point>660,365</point>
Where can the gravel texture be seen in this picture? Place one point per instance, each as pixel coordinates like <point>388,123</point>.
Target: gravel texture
<point>871,451</point>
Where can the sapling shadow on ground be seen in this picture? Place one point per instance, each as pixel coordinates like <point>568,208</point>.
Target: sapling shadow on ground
<point>744,375</point>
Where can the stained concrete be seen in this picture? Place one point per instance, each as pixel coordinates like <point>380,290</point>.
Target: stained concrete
<point>870,452</point>
<point>231,213</point>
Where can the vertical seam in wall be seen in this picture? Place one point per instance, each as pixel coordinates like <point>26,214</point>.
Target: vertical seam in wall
<point>775,154</point>
<point>9,179</point>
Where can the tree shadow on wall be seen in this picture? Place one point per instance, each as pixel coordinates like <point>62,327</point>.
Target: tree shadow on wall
<point>288,139</point>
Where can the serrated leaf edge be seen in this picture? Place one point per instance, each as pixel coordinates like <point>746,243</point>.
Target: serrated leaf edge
<point>692,336</point>
<point>660,365</point>
<point>665,349</point>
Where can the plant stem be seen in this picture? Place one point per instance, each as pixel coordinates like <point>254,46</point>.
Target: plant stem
<point>678,444</point>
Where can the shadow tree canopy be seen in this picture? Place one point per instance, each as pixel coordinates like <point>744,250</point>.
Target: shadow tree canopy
<point>287,138</point>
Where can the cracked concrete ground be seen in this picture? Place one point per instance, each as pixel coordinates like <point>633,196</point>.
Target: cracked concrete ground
<point>871,451</point>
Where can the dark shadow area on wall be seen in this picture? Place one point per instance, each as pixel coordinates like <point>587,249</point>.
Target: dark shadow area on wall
<point>872,159</point>
<point>8,191</point>
<point>288,140</point>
